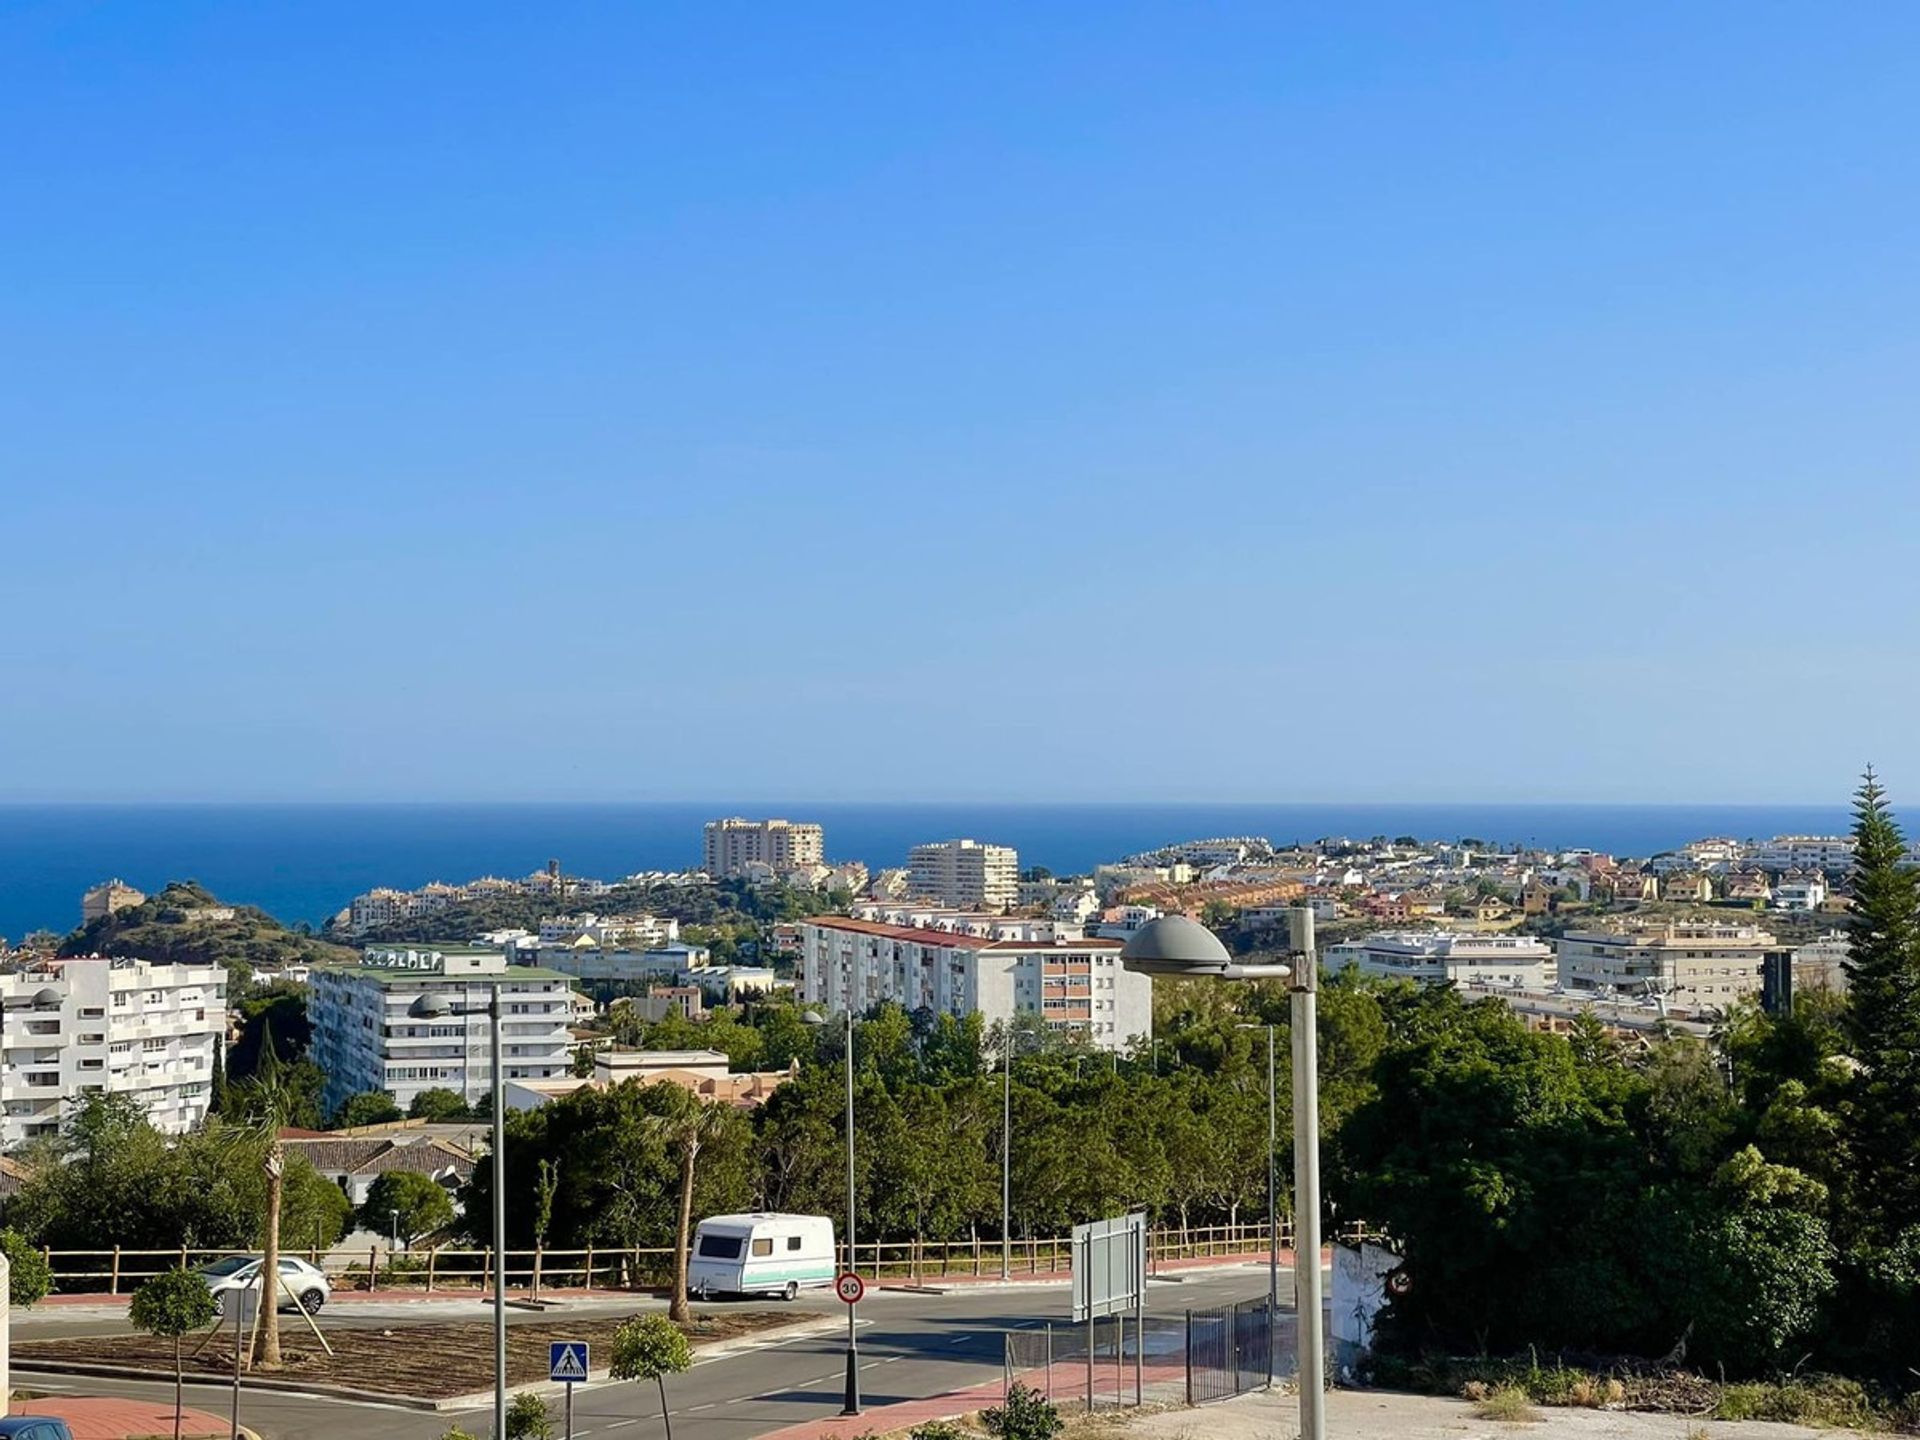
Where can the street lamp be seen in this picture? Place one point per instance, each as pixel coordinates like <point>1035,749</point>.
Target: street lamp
<point>850,1399</point>
<point>1006,1155</point>
<point>1176,945</point>
<point>1273,1210</point>
<point>435,1007</point>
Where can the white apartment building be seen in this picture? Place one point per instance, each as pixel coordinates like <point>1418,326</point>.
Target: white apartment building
<point>734,846</point>
<point>364,1038</point>
<point>1075,984</point>
<point>965,873</point>
<point>1800,892</point>
<point>1699,965</point>
<point>1832,854</point>
<point>1448,958</point>
<point>125,1027</point>
<point>645,931</point>
<point>626,964</point>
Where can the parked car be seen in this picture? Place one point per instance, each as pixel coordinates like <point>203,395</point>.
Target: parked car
<point>304,1283</point>
<point>33,1427</point>
<point>761,1255</point>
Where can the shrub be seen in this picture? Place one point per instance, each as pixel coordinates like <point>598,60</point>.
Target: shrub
<point>1027,1415</point>
<point>527,1418</point>
<point>29,1277</point>
<point>938,1430</point>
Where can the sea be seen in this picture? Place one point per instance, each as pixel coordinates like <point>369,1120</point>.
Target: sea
<point>304,862</point>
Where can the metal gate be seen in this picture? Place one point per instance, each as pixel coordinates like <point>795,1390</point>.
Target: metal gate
<point>1230,1350</point>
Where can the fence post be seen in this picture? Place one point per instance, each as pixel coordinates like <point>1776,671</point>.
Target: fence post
<point>433,1255</point>
<point>183,1257</point>
<point>1189,1359</point>
<point>114,1286</point>
<point>373,1268</point>
<point>589,1268</point>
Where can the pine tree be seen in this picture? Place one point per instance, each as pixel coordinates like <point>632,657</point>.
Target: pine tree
<point>1883,973</point>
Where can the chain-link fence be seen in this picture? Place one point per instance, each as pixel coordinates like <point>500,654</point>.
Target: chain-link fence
<point>1114,1361</point>
<point>1201,1355</point>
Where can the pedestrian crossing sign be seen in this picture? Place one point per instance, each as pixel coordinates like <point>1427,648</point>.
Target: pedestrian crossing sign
<point>567,1361</point>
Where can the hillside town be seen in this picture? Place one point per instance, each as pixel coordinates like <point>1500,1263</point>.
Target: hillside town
<point>1666,942</point>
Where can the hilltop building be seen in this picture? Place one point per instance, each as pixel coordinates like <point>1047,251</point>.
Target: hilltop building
<point>108,898</point>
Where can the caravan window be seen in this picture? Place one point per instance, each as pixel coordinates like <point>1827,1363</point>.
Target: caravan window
<point>793,1242</point>
<point>720,1247</point>
<point>763,1246</point>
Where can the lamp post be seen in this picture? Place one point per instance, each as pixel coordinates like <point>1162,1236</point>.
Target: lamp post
<point>850,1398</point>
<point>1006,1157</point>
<point>1273,1207</point>
<point>1176,945</point>
<point>434,1007</point>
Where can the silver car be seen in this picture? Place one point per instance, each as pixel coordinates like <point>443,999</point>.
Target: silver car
<point>302,1283</point>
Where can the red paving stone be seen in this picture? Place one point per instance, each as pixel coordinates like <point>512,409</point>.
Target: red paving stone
<point>116,1419</point>
<point>884,1419</point>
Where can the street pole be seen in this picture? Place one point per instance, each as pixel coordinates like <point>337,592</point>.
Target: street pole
<point>1310,1315</point>
<point>499,1225</point>
<point>851,1400</point>
<point>1273,1214</point>
<point>1006,1158</point>
<point>239,1324</point>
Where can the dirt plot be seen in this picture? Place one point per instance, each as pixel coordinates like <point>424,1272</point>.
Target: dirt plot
<point>427,1362</point>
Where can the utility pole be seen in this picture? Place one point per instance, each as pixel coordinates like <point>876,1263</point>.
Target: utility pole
<point>1310,1312</point>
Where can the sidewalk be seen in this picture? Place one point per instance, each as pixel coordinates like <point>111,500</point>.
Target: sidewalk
<point>884,1419</point>
<point>92,1419</point>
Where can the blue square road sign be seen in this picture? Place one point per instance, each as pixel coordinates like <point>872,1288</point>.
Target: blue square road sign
<point>567,1361</point>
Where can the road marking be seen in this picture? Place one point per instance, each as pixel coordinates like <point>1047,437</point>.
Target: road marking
<point>618,1423</point>
<point>696,1409</point>
<point>959,1339</point>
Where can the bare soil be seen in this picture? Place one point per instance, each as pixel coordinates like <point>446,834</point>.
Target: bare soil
<point>426,1362</point>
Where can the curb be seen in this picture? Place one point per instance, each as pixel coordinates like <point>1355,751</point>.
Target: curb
<point>472,1400</point>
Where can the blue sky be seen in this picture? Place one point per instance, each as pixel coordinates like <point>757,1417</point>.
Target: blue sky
<point>1496,401</point>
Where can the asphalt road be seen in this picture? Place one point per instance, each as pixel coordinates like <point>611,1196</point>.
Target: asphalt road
<point>911,1346</point>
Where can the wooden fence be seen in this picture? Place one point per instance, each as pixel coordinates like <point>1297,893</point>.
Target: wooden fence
<point>435,1268</point>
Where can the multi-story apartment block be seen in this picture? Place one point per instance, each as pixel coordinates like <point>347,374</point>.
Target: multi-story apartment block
<point>1700,965</point>
<point>734,846</point>
<point>965,873</point>
<point>123,1027</point>
<point>622,964</point>
<point>1832,854</point>
<point>1448,958</point>
<point>107,898</point>
<point>643,930</point>
<point>1072,983</point>
<point>365,1039</point>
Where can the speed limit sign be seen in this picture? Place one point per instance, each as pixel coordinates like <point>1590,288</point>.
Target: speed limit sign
<point>850,1288</point>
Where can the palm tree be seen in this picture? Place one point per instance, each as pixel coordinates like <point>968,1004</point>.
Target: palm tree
<point>688,1125</point>
<point>267,1101</point>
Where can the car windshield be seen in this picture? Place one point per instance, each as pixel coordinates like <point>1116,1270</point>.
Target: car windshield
<point>232,1265</point>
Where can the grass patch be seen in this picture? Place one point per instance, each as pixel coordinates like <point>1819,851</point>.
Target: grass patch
<point>1829,1401</point>
<point>1509,1404</point>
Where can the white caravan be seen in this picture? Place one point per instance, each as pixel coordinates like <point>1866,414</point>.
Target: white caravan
<point>761,1255</point>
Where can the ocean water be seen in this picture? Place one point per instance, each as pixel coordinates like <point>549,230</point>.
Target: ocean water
<point>303,862</point>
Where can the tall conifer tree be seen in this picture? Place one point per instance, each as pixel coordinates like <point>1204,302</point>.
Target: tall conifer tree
<point>1883,972</point>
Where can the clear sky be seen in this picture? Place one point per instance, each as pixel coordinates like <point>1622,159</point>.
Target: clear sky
<point>1080,401</point>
